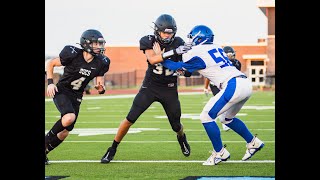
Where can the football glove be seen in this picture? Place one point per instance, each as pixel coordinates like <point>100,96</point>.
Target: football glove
<point>101,89</point>
<point>206,91</point>
<point>178,51</point>
<point>182,49</point>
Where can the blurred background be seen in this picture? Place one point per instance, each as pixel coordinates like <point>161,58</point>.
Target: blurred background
<point>247,25</point>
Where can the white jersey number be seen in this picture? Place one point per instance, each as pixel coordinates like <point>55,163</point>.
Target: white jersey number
<point>76,84</point>
<point>159,70</point>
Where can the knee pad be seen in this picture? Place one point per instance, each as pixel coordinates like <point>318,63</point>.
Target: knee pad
<point>69,128</point>
<point>176,127</point>
<point>205,118</point>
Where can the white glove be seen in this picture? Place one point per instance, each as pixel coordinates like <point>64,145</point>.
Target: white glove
<point>182,49</point>
<point>206,91</point>
<point>189,44</point>
<point>178,51</point>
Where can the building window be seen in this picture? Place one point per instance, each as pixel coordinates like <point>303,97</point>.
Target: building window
<point>257,63</point>
<point>261,71</point>
<point>261,79</point>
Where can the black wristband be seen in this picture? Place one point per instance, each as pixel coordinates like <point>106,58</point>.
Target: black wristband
<point>50,81</point>
<point>175,51</point>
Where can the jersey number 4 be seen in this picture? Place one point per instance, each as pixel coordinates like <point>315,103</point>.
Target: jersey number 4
<point>221,58</point>
<point>76,84</point>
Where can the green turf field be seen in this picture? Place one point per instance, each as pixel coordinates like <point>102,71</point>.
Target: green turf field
<point>150,150</point>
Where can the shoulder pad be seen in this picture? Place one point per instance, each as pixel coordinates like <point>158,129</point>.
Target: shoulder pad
<point>146,42</point>
<point>105,64</point>
<point>179,40</point>
<point>68,53</point>
<point>105,59</point>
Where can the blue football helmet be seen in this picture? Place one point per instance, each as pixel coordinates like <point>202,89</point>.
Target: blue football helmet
<point>201,34</point>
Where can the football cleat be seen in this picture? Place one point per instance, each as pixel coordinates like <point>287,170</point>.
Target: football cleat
<point>109,155</point>
<point>254,146</point>
<point>217,157</point>
<point>225,127</point>
<point>46,161</point>
<point>184,145</point>
<point>46,151</point>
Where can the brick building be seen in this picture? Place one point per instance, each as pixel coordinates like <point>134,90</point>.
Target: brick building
<point>128,64</point>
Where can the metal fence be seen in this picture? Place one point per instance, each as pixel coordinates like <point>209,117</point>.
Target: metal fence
<point>131,79</point>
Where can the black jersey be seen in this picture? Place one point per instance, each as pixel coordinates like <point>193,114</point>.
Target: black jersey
<point>78,72</point>
<point>158,74</point>
<point>236,63</point>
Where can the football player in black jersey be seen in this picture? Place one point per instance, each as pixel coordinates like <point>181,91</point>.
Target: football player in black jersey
<point>159,84</point>
<point>81,66</point>
<point>231,54</point>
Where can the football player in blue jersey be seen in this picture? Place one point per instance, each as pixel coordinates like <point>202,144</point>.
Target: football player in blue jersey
<point>80,66</point>
<point>159,84</point>
<point>211,61</point>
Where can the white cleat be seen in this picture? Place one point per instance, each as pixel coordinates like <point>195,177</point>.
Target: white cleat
<point>225,127</point>
<point>254,146</point>
<point>217,157</point>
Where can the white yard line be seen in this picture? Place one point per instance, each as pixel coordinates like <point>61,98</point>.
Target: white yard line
<point>158,161</point>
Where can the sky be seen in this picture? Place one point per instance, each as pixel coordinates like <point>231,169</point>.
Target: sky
<point>124,22</point>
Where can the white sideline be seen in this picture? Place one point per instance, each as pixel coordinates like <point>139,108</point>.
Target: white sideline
<point>124,96</point>
<point>158,161</point>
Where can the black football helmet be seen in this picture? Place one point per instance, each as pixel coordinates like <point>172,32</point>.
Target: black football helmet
<point>165,23</point>
<point>92,36</point>
<point>231,53</point>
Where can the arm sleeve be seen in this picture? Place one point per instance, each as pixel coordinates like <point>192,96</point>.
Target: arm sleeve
<point>172,65</point>
<point>194,64</point>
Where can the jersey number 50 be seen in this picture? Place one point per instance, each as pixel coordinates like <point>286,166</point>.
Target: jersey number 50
<point>222,58</point>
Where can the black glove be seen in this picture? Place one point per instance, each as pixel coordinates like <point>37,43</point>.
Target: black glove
<point>101,89</point>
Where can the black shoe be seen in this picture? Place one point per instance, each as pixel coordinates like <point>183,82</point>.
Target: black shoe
<point>109,155</point>
<point>46,161</point>
<point>185,147</point>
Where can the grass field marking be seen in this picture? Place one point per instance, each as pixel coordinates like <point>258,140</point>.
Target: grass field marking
<point>149,122</point>
<point>158,161</point>
<point>124,96</point>
<point>159,141</point>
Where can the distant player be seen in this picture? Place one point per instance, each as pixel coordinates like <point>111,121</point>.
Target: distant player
<point>81,66</point>
<point>231,54</point>
<point>211,61</point>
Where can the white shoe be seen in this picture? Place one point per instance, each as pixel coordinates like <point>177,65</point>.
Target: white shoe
<point>225,127</point>
<point>254,146</point>
<point>217,157</point>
